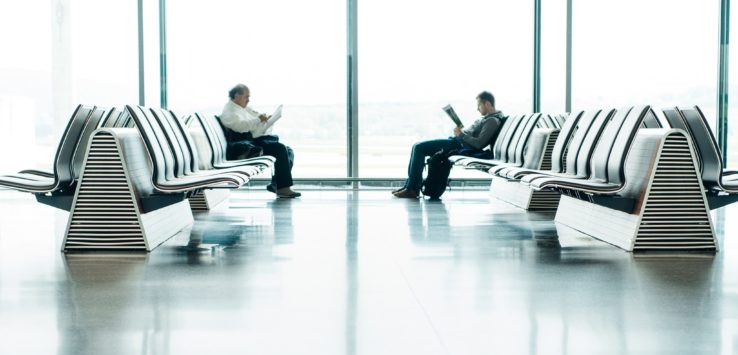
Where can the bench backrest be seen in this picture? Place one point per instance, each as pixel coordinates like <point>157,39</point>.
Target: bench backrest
<point>651,120</point>
<point>96,118</point>
<point>554,122</point>
<point>186,141</point>
<point>215,136</point>
<point>628,131</point>
<point>574,145</point>
<point>521,141</point>
<point>187,120</point>
<point>116,118</point>
<point>707,147</point>
<point>180,141</point>
<point>561,119</point>
<point>202,141</point>
<point>586,149</point>
<point>169,137</point>
<point>161,154</point>
<point>562,142</point>
<point>675,120</point>
<point>129,122</point>
<point>503,138</point>
<point>546,122</point>
<point>598,162</point>
<point>111,116</point>
<point>63,172</point>
<point>608,160</point>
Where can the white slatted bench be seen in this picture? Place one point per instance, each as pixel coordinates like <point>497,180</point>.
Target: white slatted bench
<point>135,181</point>
<point>645,192</point>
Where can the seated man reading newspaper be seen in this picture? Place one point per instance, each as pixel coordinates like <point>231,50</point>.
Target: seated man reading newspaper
<point>239,118</point>
<point>480,134</point>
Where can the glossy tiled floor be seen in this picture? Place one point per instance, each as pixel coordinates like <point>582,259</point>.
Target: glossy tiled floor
<point>339,272</point>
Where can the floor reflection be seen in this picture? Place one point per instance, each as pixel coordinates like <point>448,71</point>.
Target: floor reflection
<point>352,312</point>
<point>427,221</point>
<point>104,307</point>
<point>282,222</point>
<point>349,272</point>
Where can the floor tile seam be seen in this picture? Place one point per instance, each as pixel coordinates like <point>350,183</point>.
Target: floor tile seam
<point>423,309</point>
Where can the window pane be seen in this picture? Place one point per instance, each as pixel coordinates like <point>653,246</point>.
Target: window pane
<point>412,62</point>
<point>26,119</point>
<point>661,52</point>
<point>105,55</point>
<point>56,55</point>
<point>152,53</point>
<point>282,54</point>
<point>732,161</point>
<point>553,56</point>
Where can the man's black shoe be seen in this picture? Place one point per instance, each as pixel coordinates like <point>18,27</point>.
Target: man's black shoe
<point>271,188</point>
<point>292,194</point>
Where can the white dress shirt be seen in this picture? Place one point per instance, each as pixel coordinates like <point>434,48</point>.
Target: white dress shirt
<point>242,119</point>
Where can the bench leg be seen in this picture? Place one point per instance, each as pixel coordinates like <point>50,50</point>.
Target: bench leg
<point>207,200</point>
<point>522,196</point>
<point>106,213</point>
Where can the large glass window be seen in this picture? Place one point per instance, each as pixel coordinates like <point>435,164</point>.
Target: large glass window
<point>662,53</point>
<point>288,52</point>
<point>151,53</point>
<point>25,85</point>
<point>417,56</point>
<point>411,63</point>
<point>104,55</point>
<point>732,161</point>
<point>56,55</point>
<point>553,56</point>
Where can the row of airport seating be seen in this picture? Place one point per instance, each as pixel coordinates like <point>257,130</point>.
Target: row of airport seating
<point>125,176</point>
<point>619,176</point>
<point>571,156</point>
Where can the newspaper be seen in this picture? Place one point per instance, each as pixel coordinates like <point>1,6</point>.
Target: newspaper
<point>454,117</point>
<point>266,127</point>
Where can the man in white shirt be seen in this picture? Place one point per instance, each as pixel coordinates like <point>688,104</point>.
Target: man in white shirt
<point>239,118</point>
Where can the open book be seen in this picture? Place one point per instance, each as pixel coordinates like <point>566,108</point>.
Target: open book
<point>454,117</point>
<point>266,127</point>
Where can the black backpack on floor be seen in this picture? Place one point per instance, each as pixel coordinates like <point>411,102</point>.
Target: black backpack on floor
<point>439,167</point>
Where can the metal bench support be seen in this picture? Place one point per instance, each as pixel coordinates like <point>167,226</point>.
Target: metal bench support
<point>522,196</point>
<point>107,214</point>
<point>671,214</point>
<point>207,200</point>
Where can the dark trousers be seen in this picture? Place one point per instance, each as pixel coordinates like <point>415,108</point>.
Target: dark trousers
<point>283,165</point>
<point>417,159</point>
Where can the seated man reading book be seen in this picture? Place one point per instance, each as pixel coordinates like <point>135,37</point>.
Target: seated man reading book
<point>241,119</point>
<point>480,134</point>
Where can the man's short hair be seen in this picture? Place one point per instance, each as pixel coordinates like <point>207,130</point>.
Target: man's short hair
<point>237,90</point>
<point>487,96</point>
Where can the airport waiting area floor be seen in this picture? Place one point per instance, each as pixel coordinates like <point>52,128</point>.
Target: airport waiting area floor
<point>359,272</point>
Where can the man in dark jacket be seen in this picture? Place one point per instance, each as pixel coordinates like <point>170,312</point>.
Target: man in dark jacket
<point>480,134</point>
